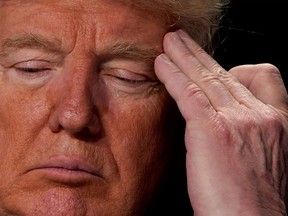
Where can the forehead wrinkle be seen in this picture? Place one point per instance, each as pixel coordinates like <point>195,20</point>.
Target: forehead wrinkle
<point>31,41</point>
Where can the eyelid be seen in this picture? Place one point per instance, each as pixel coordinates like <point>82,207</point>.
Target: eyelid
<point>33,72</point>
<point>128,74</point>
<point>32,64</point>
<point>131,65</point>
<point>30,55</point>
<point>125,74</point>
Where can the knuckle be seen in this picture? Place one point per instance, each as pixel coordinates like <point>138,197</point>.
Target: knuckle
<point>224,128</point>
<point>270,68</point>
<point>265,117</point>
<point>248,123</point>
<point>270,71</point>
<point>271,127</point>
<point>194,92</point>
<point>212,80</point>
<point>186,55</point>
<point>200,51</point>
<point>272,120</point>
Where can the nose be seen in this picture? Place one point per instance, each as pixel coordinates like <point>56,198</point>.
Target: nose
<point>75,108</point>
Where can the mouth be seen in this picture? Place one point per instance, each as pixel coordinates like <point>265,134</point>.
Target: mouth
<point>68,171</point>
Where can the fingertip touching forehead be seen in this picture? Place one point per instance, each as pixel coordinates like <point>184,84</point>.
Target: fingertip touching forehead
<point>200,18</point>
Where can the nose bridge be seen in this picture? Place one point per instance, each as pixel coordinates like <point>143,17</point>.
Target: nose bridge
<point>76,107</point>
<point>78,88</point>
<point>77,100</point>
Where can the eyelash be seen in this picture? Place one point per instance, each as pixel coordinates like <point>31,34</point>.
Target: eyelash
<point>31,70</point>
<point>130,81</point>
<point>37,70</point>
<point>121,75</point>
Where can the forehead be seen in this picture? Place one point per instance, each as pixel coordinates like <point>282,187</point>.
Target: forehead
<point>71,19</point>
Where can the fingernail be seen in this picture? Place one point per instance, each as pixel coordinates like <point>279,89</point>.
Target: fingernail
<point>164,57</point>
<point>182,33</point>
<point>172,37</point>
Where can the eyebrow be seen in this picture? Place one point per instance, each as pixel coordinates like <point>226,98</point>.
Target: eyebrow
<point>130,50</point>
<point>31,41</point>
<point>137,51</point>
<point>125,49</point>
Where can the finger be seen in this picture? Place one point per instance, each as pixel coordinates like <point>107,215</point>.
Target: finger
<point>265,83</point>
<point>190,65</point>
<point>236,88</point>
<point>200,54</point>
<point>191,100</point>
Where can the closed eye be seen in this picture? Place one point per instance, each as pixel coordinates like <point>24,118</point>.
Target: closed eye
<point>33,66</point>
<point>126,76</point>
<point>31,70</point>
<point>132,81</point>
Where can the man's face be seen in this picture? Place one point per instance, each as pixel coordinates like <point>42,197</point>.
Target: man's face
<point>81,110</point>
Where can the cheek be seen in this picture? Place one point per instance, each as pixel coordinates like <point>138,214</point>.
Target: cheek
<point>10,118</point>
<point>10,135</point>
<point>22,116</point>
<point>138,140</point>
<point>21,113</point>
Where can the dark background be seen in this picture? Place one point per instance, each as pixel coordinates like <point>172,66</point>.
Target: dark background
<point>255,31</point>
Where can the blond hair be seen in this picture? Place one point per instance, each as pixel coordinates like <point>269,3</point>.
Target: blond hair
<point>200,18</point>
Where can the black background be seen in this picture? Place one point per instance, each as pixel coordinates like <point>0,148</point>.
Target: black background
<point>255,31</point>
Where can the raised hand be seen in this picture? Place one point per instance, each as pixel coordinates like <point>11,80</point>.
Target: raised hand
<point>236,130</point>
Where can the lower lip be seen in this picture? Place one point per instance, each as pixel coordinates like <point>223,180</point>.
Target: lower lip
<point>67,176</point>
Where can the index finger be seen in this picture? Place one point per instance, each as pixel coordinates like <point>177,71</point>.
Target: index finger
<point>241,94</point>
